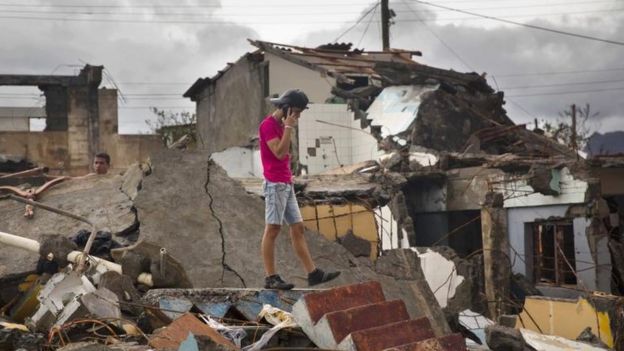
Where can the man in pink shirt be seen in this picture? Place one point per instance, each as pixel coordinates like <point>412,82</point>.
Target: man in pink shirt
<point>280,201</point>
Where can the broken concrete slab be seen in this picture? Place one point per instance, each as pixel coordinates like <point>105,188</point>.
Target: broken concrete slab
<point>96,198</point>
<point>213,226</point>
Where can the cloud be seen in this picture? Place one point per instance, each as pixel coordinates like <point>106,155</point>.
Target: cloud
<point>131,51</point>
<point>172,51</point>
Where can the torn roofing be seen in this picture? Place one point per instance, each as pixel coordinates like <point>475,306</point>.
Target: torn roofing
<point>336,61</point>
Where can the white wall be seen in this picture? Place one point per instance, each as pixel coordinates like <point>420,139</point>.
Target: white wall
<point>341,142</point>
<point>441,275</point>
<point>284,75</point>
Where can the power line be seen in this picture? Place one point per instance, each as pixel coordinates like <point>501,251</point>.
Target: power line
<point>576,35</point>
<point>367,25</point>
<point>270,6</point>
<point>569,92</point>
<point>195,21</point>
<point>255,14</point>
<point>150,6</point>
<point>448,47</point>
<point>563,84</point>
<point>560,72</point>
<point>357,22</point>
<point>537,6</point>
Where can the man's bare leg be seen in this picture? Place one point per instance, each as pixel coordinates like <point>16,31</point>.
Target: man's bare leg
<point>271,231</point>
<point>301,246</point>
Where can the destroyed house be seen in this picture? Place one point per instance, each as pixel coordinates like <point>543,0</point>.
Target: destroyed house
<point>447,138</point>
<point>81,119</point>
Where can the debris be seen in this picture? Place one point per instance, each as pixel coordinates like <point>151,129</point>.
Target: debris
<point>501,338</point>
<point>85,346</point>
<point>15,339</point>
<point>568,318</point>
<point>475,323</point>
<point>554,343</point>
<point>546,181</point>
<point>95,198</point>
<point>588,337</point>
<point>174,334</point>
<point>280,320</point>
<point>234,334</point>
<point>102,245</point>
<point>16,326</point>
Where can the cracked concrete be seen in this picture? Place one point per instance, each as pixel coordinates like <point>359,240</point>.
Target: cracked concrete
<point>214,215</point>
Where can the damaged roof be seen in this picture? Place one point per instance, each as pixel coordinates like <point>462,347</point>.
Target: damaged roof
<point>336,60</point>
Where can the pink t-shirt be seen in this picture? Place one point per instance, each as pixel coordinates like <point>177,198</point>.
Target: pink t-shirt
<point>275,170</point>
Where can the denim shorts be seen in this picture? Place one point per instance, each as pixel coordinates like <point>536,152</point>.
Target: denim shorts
<point>280,204</point>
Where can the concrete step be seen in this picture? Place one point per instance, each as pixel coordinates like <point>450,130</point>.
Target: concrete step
<point>388,336</point>
<point>320,303</point>
<point>335,326</point>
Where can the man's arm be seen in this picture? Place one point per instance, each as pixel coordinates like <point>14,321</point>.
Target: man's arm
<point>280,147</point>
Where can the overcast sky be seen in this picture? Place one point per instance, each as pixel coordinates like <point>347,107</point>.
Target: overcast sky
<point>154,50</point>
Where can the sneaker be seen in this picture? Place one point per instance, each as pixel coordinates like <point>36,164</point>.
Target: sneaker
<point>275,282</point>
<point>318,276</point>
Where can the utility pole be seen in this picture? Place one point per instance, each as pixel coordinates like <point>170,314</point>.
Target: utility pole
<point>385,25</point>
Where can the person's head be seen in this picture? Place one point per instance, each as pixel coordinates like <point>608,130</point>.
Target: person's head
<point>101,163</point>
<point>293,99</point>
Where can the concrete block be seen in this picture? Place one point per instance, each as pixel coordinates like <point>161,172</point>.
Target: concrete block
<point>388,336</point>
<point>341,298</point>
<point>335,326</point>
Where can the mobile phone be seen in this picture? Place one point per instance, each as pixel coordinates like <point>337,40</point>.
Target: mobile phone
<point>285,109</point>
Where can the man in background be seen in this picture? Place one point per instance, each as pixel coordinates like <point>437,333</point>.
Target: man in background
<point>101,163</point>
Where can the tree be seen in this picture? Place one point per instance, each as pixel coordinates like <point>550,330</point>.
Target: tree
<point>564,132</point>
<point>171,126</point>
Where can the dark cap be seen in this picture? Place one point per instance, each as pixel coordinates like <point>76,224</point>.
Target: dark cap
<point>292,98</point>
